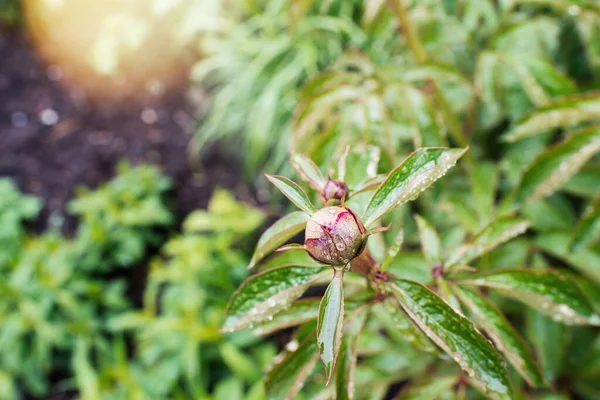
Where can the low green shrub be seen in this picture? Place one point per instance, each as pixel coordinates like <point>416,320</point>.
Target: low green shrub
<point>67,324</point>
<point>176,334</point>
<point>119,220</point>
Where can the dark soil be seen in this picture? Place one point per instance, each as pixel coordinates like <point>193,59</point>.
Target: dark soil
<point>89,138</point>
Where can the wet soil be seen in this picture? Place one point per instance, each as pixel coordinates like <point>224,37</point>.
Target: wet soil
<point>53,140</point>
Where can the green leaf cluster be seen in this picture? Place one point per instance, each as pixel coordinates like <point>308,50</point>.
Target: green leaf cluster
<point>69,321</point>
<point>516,222</point>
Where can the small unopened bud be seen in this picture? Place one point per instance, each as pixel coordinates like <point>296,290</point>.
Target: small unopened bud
<point>334,190</point>
<point>334,236</point>
<point>437,271</point>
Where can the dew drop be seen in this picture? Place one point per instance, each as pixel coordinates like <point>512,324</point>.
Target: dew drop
<point>292,345</point>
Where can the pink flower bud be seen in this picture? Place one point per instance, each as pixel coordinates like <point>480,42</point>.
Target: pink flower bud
<point>334,190</point>
<point>334,236</point>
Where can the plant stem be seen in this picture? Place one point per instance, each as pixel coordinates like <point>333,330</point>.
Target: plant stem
<point>409,31</point>
<point>416,47</point>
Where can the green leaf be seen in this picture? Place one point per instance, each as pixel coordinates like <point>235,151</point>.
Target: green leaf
<point>291,247</point>
<point>265,294</point>
<point>552,80</point>
<point>401,327</point>
<point>344,383</point>
<point>286,378</point>
<point>504,336</point>
<point>434,71</point>
<point>585,183</point>
<point>293,192</point>
<point>329,324</point>
<point>548,292</point>
<point>308,170</point>
<point>277,234</point>
<point>298,313</point>
<point>484,179</point>
<point>530,85</point>
<point>85,374</point>
<point>361,165</point>
<point>229,388</point>
<point>393,250</point>
<point>554,167</point>
<point>368,184</point>
<point>590,288</point>
<point>224,214</point>
<point>430,241</point>
<point>549,340</point>
<point>405,182</point>
<point>585,260</point>
<point>301,311</point>
<point>494,234</point>
<point>588,227</point>
<point>565,5</point>
<point>486,87</point>
<point>429,388</point>
<point>454,334</point>
<point>458,206</point>
<point>553,213</point>
<point>561,112</point>
<point>287,258</point>
<point>424,119</point>
<point>239,362</point>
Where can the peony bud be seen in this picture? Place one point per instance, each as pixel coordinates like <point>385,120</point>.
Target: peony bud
<point>334,236</point>
<point>334,190</point>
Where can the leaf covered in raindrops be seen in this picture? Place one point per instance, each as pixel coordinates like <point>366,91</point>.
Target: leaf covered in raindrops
<point>505,337</point>
<point>422,168</point>
<point>547,291</point>
<point>494,234</point>
<point>399,325</point>
<point>455,334</point>
<point>554,167</point>
<point>263,295</point>
<point>561,112</point>
<point>329,323</point>
<point>277,234</point>
<point>285,379</point>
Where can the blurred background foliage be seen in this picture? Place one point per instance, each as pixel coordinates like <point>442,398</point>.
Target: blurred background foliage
<point>513,79</point>
<point>68,310</point>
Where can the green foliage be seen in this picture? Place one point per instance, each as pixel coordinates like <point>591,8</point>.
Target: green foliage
<point>254,68</point>
<point>64,313</point>
<point>496,77</point>
<point>420,316</point>
<point>15,209</point>
<point>119,220</point>
<point>10,11</point>
<point>179,351</point>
